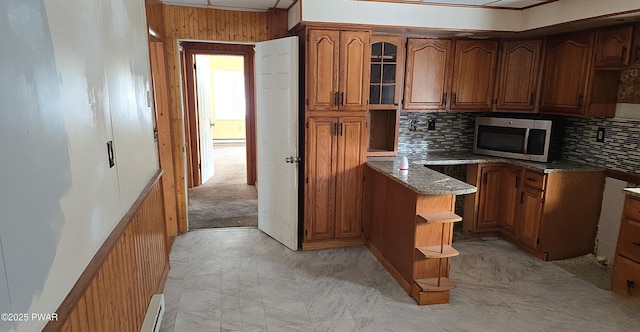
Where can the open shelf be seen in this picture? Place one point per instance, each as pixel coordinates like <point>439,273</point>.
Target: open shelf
<point>439,217</point>
<point>431,284</point>
<point>383,132</point>
<point>434,251</point>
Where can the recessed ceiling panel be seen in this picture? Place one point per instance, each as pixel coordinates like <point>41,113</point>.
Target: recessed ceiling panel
<point>248,5</point>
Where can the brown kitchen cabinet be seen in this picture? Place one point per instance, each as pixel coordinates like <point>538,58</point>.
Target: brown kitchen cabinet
<point>498,197</point>
<point>474,71</point>
<point>385,94</point>
<point>518,75</point>
<point>510,193</point>
<point>634,56</point>
<point>550,215</point>
<point>626,268</point>
<point>334,175</point>
<point>613,47</point>
<point>571,85</point>
<point>530,215</point>
<point>490,198</point>
<point>387,68</point>
<point>337,70</point>
<point>428,74</point>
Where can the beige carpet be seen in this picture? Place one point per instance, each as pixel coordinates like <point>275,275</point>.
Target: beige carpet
<point>225,200</point>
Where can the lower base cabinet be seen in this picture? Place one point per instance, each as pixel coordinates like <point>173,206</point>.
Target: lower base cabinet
<point>550,215</point>
<point>626,266</point>
<point>334,175</point>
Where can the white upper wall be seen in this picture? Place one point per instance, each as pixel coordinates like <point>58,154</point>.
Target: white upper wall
<point>456,18</point>
<point>73,75</point>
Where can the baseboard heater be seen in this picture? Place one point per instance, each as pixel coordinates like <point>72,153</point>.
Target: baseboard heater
<point>153,317</point>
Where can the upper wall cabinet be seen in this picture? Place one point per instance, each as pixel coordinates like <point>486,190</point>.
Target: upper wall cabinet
<point>428,69</point>
<point>518,78</point>
<point>613,47</point>
<point>337,70</point>
<point>634,58</point>
<point>387,67</point>
<point>473,75</point>
<point>566,69</point>
<point>571,85</point>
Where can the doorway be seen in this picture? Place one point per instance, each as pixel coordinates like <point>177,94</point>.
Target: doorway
<point>220,137</point>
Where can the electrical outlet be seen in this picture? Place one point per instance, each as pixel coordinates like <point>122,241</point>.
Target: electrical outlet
<point>431,125</point>
<point>600,137</point>
<point>413,125</point>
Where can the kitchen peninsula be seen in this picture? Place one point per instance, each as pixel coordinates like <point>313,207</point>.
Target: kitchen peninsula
<point>549,210</point>
<point>408,225</point>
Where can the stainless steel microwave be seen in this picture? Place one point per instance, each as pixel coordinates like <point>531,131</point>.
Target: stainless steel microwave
<point>527,139</point>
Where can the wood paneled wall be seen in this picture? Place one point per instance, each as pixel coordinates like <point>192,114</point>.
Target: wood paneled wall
<point>114,291</point>
<point>155,20</point>
<point>189,23</point>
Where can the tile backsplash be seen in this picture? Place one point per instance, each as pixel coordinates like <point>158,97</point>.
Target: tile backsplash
<point>454,132</point>
<point>620,149</point>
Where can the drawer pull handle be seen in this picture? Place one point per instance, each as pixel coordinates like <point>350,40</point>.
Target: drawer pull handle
<point>531,179</point>
<point>636,243</point>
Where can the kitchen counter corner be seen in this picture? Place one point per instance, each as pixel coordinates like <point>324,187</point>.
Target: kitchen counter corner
<point>422,180</point>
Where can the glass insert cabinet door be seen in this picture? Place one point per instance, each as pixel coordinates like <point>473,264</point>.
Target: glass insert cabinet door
<point>385,62</point>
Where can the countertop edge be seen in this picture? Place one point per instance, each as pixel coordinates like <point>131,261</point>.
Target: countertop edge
<point>419,170</point>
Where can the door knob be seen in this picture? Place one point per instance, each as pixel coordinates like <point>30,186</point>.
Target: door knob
<point>292,160</point>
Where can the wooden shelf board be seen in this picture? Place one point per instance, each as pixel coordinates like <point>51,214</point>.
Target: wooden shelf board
<point>439,217</point>
<point>431,284</point>
<point>434,251</point>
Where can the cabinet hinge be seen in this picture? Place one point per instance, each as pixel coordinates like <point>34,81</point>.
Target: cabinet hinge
<point>194,66</point>
<point>307,101</point>
<point>542,200</point>
<point>307,125</point>
<point>199,166</point>
<point>306,180</point>
<point>306,232</point>
<point>366,124</point>
<point>537,241</point>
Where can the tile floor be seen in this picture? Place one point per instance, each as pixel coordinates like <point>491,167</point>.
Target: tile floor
<point>242,280</point>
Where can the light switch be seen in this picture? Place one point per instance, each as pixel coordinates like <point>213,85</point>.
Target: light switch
<point>112,161</point>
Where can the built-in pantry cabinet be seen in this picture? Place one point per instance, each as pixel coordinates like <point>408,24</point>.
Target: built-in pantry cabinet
<point>337,71</point>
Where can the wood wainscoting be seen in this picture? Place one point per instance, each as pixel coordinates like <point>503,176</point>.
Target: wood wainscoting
<point>114,291</point>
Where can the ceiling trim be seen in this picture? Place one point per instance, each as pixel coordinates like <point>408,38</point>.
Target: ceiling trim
<point>460,5</point>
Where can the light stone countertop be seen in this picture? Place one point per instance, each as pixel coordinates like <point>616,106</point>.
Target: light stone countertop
<point>635,192</point>
<point>421,179</point>
<point>462,158</point>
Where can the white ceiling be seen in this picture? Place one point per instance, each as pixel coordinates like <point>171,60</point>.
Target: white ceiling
<point>485,3</point>
<point>263,5</point>
<point>245,5</point>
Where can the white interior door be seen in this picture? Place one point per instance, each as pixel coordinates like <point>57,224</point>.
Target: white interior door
<point>203,91</point>
<point>277,143</point>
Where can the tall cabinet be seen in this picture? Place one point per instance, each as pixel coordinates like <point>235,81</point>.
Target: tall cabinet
<point>335,133</point>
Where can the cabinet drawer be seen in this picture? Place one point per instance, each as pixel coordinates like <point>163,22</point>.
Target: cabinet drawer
<point>626,277</point>
<point>629,241</point>
<point>534,179</point>
<point>632,208</point>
